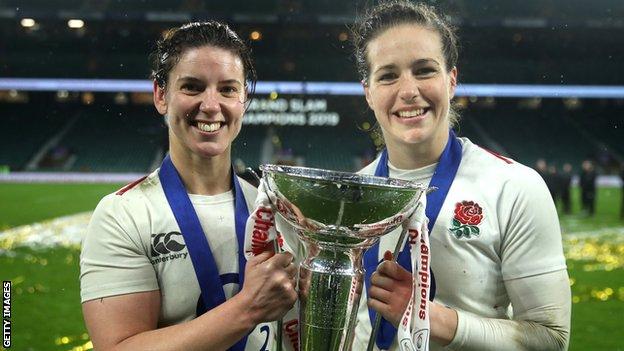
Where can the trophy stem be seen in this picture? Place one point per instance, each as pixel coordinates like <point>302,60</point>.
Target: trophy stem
<point>330,283</point>
<point>340,214</point>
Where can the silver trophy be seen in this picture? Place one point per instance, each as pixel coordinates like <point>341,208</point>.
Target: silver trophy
<point>338,216</point>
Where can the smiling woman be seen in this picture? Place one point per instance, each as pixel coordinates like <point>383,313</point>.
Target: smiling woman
<point>410,88</point>
<point>485,256</point>
<point>203,103</point>
<point>200,86</point>
<point>162,264</point>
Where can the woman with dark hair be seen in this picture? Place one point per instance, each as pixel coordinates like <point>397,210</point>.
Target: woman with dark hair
<point>162,265</point>
<point>497,259</point>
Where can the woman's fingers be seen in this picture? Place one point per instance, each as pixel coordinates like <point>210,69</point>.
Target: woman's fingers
<point>383,281</point>
<point>394,271</point>
<point>380,294</point>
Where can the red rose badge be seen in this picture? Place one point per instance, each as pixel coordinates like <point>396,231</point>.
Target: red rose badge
<point>468,215</point>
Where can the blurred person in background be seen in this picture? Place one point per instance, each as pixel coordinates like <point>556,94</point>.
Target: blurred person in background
<point>512,255</point>
<point>548,173</point>
<point>566,184</point>
<point>588,187</point>
<point>162,264</point>
<point>553,182</point>
<point>541,167</point>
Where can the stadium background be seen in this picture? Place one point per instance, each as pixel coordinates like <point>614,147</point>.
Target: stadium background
<point>540,79</point>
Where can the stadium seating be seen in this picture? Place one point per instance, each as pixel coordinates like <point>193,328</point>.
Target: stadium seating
<point>337,148</point>
<point>115,141</point>
<point>528,135</point>
<point>25,129</point>
<point>131,139</point>
<point>248,145</point>
<point>604,125</point>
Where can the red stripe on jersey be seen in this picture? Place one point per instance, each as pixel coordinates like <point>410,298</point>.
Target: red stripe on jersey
<point>497,155</point>
<point>130,186</point>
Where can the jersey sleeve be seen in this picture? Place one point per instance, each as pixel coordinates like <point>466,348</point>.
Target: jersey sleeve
<point>541,318</point>
<point>531,236</point>
<point>113,260</point>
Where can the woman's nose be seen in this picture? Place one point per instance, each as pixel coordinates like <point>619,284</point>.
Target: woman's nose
<point>210,102</point>
<point>409,89</point>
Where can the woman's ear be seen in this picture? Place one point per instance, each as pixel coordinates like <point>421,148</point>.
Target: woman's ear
<point>367,94</point>
<point>245,97</point>
<point>452,82</point>
<point>160,98</point>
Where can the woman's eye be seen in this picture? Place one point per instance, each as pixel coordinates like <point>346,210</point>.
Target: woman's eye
<point>229,90</point>
<point>425,71</point>
<point>190,87</point>
<point>387,76</point>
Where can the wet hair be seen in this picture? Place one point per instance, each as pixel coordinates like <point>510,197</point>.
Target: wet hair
<point>393,13</point>
<point>175,41</point>
<point>389,14</point>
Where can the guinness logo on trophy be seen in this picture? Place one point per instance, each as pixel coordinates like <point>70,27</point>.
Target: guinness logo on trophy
<point>338,216</point>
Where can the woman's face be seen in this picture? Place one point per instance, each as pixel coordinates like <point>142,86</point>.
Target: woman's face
<point>409,87</point>
<point>203,101</point>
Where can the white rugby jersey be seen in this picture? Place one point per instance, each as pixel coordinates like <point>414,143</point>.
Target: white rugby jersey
<point>133,244</point>
<point>517,235</point>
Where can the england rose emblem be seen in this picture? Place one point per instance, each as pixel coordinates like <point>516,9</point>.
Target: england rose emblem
<point>468,215</point>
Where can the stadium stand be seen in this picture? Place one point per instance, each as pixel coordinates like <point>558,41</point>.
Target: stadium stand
<point>24,130</point>
<point>502,43</point>
<point>248,145</point>
<point>530,134</point>
<point>602,123</point>
<point>117,138</point>
<point>115,141</point>
<point>336,148</point>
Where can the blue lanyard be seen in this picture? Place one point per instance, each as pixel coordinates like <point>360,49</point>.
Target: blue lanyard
<point>210,283</point>
<point>442,179</point>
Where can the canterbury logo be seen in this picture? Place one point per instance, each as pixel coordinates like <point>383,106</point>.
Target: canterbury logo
<point>165,243</point>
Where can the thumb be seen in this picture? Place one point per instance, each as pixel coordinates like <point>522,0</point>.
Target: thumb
<point>260,258</point>
<point>388,255</point>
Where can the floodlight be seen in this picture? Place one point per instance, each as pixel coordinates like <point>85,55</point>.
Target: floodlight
<point>28,22</point>
<point>75,23</point>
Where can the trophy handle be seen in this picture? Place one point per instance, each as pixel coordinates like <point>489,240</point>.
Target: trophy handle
<point>255,175</point>
<point>428,191</point>
<point>277,249</point>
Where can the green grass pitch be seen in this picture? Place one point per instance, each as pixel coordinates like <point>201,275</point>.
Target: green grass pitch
<point>46,311</point>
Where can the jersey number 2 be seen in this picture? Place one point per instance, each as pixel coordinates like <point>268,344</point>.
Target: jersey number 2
<point>265,328</point>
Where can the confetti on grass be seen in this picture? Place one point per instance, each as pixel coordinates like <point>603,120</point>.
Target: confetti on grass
<point>63,231</point>
<point>595,251</point>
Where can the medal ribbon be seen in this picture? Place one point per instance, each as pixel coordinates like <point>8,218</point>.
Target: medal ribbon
<point>442,179</point>
<point>210,283</point>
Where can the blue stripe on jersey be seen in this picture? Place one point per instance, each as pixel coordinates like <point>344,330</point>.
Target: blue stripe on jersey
<point>229,278</point>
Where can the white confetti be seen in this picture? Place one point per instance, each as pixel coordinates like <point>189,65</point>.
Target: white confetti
<point>62,231</point>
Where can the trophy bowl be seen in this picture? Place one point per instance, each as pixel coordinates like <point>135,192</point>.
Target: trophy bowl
<point>337,215</point>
